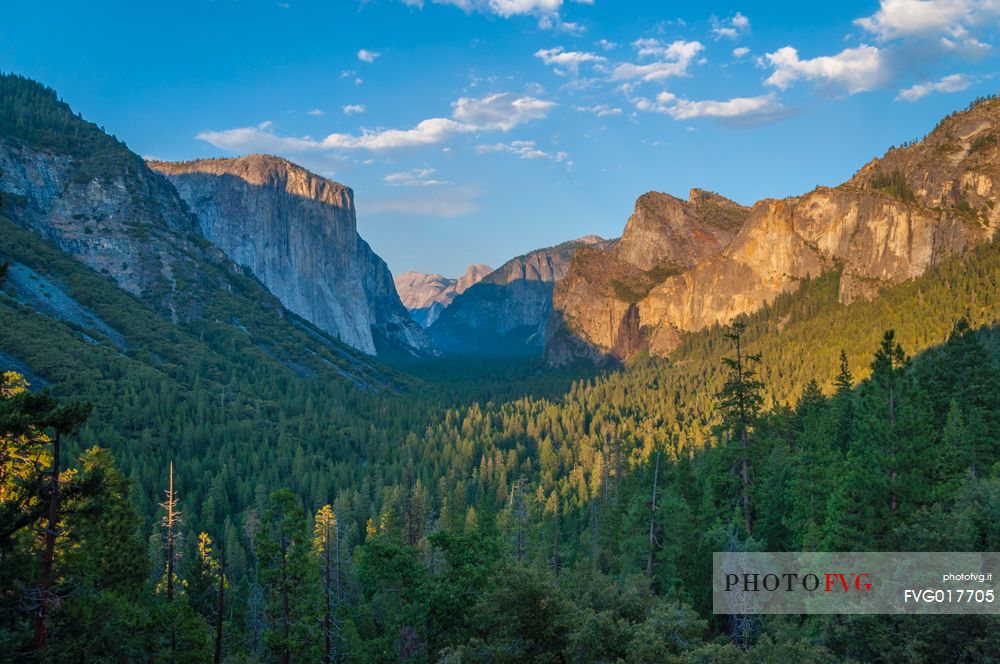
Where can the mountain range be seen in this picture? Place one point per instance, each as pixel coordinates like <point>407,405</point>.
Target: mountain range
<point>176,235</point>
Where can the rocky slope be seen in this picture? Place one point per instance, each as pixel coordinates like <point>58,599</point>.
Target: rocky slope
<point>507,312</point>
<point>427,295</point>
<point>103,206</point>
<point>74,196</point>
<point>297,233</point>
<point>896,217</point>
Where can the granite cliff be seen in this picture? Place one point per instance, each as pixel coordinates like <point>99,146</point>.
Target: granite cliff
<point>427,295</point>
<point>297,233</point>
<point>899,215</point>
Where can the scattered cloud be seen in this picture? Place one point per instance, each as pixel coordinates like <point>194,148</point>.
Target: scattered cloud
<point>671,59</point>
<point>952,83</point>
<point>600,110</point>
<point>554,23</point>
<point>352,109</point>
<point>738,111</point>
<point>853,69</point>
<point>607,45</point>
<point>496,112</point>
<point>315,112</point>
<point>567,61</point>
<point>741,52</point>
<point>364,55</point>
<point>929,18</point>
<point>546,10</point>
<point>417,177</point>
<point>499,111</point>
<point>730,28</point>
<point>523,150</point>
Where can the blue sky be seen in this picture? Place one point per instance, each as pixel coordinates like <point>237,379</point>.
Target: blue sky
<point>475,130</point>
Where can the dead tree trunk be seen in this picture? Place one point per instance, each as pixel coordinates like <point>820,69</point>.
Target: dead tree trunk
<point>49,549</point>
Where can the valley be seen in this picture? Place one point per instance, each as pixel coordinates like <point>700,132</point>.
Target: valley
<point>532,463</point>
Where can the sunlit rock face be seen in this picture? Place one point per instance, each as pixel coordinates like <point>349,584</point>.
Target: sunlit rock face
<point>684,265</point>
<point>297,233</point>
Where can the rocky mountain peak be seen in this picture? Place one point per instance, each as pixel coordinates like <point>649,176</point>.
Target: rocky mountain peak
<point>666,230</point>
<point>473,275</point>
<point>426,295</point>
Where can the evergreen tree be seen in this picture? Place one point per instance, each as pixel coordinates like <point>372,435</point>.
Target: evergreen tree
<point>740,400</point>
<point>287,575</point>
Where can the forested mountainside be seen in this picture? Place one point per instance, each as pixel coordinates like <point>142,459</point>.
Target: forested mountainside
<point>894,219</point>
<point>464,509</point>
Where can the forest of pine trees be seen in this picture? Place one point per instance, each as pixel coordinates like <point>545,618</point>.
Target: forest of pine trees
<point>593,546</point>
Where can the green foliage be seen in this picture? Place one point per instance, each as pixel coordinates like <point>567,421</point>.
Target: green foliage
<point>983,143</point>
<point>895,185</point>
<point>32,113</point>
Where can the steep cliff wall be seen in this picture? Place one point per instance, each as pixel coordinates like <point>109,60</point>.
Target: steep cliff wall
<point>297,233</point>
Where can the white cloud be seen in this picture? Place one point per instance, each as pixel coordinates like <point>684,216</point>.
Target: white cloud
<point>732,27</point>
<point>497,112</point>
<point>522,150</point>
<point>740,52</point>
<point>500,111</point>
<point>607,45</point>
<point>417,177</point>
<point>600,110</point>
<point>907,18</point>
<point>854,69</point>
<point>952,83</point>
<point>504,8</point>
<point>364,55</point>
<point>315,112</point>
<point>352,109</point>
<point>672,60</point>
<point>736,111</point>
<point>256,139</point>
<point>427,132</point>
<point>567,60</point>
<point>553,22</point>
<point>737,107</point>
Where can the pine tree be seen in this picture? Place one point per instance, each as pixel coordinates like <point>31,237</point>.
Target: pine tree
<point>286,572</point>
<point>326,540</point>
<point>886,373</point>
<point>29,424</point>
<point>740,400</point>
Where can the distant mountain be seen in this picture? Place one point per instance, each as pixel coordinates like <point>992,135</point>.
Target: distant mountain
<point>507,312</point>
<point>297,233</point>
<point>898,216</point>
<point>426,295</point>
